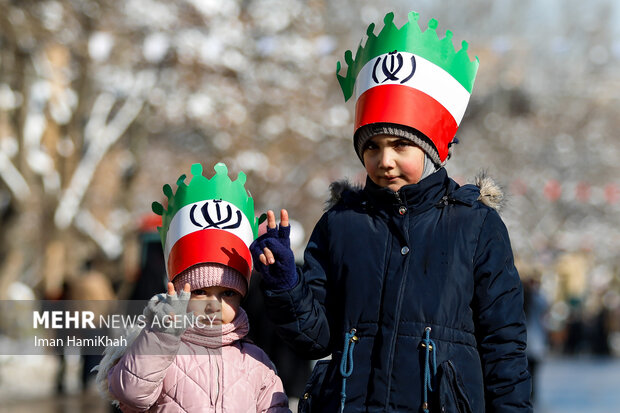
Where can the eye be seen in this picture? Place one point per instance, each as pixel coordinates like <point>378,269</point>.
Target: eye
<point>230,293</point>
<point>369,145</point>
<point>199,292</point>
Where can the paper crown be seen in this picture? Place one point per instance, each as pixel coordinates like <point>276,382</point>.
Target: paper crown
<point>409,77</point>
<point>209,220</point>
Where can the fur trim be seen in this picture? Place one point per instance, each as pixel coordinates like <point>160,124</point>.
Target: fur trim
<point>491,193</point>
<point>337,189</point>
<point>111,355</point>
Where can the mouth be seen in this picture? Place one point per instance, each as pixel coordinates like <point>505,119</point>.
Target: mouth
<point>211,319</point>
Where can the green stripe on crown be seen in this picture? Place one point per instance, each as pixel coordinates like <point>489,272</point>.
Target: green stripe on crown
<point>199,189</point>
<point>410,38</point>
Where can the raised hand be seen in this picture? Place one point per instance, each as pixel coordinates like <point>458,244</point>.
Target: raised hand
<point>273,256</point>
<point>162,309</point>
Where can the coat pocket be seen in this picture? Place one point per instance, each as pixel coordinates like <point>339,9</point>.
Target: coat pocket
<point>451,392</point>
<point>313,386</point>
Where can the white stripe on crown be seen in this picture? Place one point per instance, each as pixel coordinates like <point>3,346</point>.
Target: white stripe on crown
<point>408,69</point>
<point>208,214</point>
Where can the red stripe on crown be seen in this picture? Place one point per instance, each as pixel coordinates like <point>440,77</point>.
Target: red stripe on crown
<point>407,106</point>
<point>209,245</point>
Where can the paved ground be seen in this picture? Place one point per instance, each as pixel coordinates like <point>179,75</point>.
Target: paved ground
<point>579,385</point>
<point>566,386</point>
<point>64,404</point>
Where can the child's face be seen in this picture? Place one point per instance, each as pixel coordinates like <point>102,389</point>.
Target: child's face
<point>220,302</point>
<point>392,161</point>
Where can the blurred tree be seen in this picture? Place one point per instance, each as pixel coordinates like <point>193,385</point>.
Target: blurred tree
<point>56,127</point>
<point>102,102</point>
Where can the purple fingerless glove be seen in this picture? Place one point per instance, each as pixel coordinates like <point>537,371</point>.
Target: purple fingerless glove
<point>281,275</point>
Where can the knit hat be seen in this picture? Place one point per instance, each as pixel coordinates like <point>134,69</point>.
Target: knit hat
<point>409,83</point>
<point>210,275</point>
<point>366,132</point>
<point>208,221</point>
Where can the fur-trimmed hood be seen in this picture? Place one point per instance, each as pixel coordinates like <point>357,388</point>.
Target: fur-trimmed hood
<point>491,193</point>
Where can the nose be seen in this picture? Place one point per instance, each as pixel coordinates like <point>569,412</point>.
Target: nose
<point>212,305</point>
<point>386,159</point>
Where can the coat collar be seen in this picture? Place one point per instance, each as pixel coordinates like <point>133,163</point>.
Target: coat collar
<point>416,197</point>
<point>436,189</point>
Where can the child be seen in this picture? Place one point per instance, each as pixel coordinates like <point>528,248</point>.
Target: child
<point>409,282</point>
<point>203,365</point>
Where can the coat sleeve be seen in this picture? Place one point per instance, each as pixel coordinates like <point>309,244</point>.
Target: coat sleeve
<point>500,321</point>
<point>271,397</point>
<point>299,313</point>
<point>136,380</point>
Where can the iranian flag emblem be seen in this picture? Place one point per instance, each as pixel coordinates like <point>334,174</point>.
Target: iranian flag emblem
<point>412,78</point>
<point>208,221</point>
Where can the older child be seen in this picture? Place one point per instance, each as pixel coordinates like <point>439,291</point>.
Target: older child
<point>204,364</point>
<point>408,283</point>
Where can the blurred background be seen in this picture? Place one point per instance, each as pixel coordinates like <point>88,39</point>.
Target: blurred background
<point>104,102</point>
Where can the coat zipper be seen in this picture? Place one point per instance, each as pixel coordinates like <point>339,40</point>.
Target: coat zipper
<point>399,303</point>
<point>402,208</point>
<point>398,199</point>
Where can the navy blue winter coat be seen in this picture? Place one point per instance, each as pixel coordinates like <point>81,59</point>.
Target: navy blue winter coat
<point>406,286</point>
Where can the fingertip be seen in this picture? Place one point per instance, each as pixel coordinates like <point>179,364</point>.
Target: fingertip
<point>284,218</point>
<point>187,288</point>
<point>171,289</point>
<point>269,259</point>
<point>271,219</point>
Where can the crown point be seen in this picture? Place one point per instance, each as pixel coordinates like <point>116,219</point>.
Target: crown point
<point>464,45</point>
<point>262,218</point>
<point>196,169</point>
<point>413,16</point>
<point>370,31</point>
<point>432,24</point>
<point>221,168</point>
<point>241,178</point>
<point>181,180</point>
<point>448,34</point>
<point>157,208</point>
<point>389,18</point>
<point>348,57</point>
<point>167,191</point>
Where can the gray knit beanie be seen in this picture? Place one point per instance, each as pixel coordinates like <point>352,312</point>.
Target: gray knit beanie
<point>364,133</point>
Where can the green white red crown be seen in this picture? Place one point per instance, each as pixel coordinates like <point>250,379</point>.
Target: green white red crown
<point>208,220</point>
<point>409,77</point>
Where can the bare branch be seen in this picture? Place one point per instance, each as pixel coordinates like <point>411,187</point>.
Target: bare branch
<point>13,179</point>
<point>100,144</point>
<point>110,243</point>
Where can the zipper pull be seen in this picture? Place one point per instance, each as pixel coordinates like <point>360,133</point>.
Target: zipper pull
<point>402,208</point>
<point>397,195</point>
<point>443,201</point>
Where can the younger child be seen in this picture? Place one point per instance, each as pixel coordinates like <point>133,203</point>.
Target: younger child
<point>409,282</point>
<point>204,364</point>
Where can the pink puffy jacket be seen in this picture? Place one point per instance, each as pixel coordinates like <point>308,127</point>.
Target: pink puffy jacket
<point>185,377</point>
